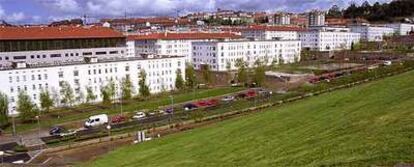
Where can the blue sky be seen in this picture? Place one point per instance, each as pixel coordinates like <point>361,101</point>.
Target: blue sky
<point>43,11</point>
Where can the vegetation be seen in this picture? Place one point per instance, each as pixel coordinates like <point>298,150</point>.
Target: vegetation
<point>90,96</point>
<point>259,73</point>
<point>66,93</point>
<point>206,74</point>
<point>46,102</point>
<point>126,88</point>
<point>190,76</point>
<point>4,108</point>
<point>144,89</point>
<point>375,12</point>
<point>368,125</point>
<point>241,71</point>
<point>27,110</point>
<point>179,81</point>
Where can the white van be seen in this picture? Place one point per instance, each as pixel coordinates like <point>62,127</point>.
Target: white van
<point>96,120</point>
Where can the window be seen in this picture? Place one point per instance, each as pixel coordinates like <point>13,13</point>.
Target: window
<point>39,77</point>
<point>76,73</point>
<point>126,68</point>
<point>87,53</point>
<point>55,55</point>
<point>113,52</point>
<point>100,53</point>
<point>45,76</point>
<point>60,74</point>
<point>19,57</point>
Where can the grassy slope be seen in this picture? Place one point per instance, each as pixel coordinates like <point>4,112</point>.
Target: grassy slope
<point>362,126</point>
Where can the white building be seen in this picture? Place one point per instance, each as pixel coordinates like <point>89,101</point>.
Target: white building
<point>402,28</point>
<point>58,44</point>
<point>161,75</point>
<point>281,19</point>
<point>328,40</point>
<point>171,43</point>
<point>270,32</point>
<point>372,33</point>
<point>221,55</point>
<point>316,18</point>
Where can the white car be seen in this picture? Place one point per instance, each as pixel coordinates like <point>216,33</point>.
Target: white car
<point>96,120</point>
<point>227,99</point>
<point>139,115</point>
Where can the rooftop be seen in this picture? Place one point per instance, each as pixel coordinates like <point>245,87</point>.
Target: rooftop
<point>185,36</point>
<point>67,32</point>
<point>268,28</point>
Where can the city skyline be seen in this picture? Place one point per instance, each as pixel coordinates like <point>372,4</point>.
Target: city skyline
<point>45,11</point>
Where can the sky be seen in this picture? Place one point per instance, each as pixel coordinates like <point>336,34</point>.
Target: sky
<point>44,11</point>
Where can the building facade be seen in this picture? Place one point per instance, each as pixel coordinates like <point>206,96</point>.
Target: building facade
<point>222,56</point>
<point>402,28</point>
<point>281,19</point>
<point>372,33</point>
<point>271,32</point>
<point>172,43</point>
<point>58,44</point>
<point>90,73</point>
<point>319,40</point>
<point>316,18</point>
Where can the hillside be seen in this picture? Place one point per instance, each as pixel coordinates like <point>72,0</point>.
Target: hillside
<point>367,125</point>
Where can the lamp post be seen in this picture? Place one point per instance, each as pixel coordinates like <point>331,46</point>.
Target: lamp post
<point>1,155</point>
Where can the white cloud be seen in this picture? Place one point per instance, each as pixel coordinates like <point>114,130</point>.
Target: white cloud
<point>66,6</point>
<point>16,17</point>
<point>2,12</point>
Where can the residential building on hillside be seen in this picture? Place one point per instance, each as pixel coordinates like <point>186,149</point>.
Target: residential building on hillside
<point>172,43</point>
<point>90,73</point>
<point>223,55</point>
<point>58,44</point>
<point>316,18</point>
<point>372,33</point>
<point>328,39</point>
<point>281,19</point>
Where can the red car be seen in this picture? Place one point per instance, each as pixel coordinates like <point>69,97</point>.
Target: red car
<point>118,119</point>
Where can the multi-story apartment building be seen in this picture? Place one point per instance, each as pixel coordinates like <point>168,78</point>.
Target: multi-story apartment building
<point>316,18</point>
<point>328,39</point>
<point>281,19</point>
<point>402,28</point>
<point>270,32</point>
<point>172,43</point>
<point>90,73</point>
<point>63,44</point>
<point>372,33</point>
<point>223,55</point>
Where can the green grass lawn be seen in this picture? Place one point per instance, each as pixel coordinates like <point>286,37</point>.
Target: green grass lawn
<point>152,103</point>
<point>372,124</point>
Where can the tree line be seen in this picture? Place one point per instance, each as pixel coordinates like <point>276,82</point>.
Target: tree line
<point>374,12</point>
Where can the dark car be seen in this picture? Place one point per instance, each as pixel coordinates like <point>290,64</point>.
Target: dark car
<point>56,131</point>
<point>190,106</point>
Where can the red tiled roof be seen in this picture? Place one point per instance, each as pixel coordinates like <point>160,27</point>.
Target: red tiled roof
<point>38,33</point>
<point>182,36</point>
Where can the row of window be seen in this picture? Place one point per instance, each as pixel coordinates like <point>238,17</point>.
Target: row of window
<point>24,78</point>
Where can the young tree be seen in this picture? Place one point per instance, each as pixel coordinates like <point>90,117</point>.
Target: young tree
<point>66,92</point>
<point>4,108</point>
<point>179,81</point>
<point>143,87</point>
<point>90,96</point>
<point>106,97</point>
<point>259,73</point>
<point>126,88</point>
<point>206,73</point>
<point>241,71</point>
<point>190,76</point>
<point>25,107</point>
<point>45,100</point>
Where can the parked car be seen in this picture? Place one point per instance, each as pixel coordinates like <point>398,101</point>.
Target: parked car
<point>96,120</point>
<point>118,119</point>
<point>139,115</point>
<point>169,110</point>
<point>227,98</point>
<point>56,131</point>
<point>189,106</point>
<point>68,133</point>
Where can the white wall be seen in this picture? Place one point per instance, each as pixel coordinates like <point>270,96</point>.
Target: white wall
<point>327,40</point>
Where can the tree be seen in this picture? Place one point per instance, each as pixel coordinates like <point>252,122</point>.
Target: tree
<point>45,100</point>
<point>90,96</point>
<point>241,71</point>
<point>126,88</point>
<point>206,73</point>
<point>334,12</point>
<point>106,97</point>
<point>66,92</point>
<point>4,108</point>
<point>190,76</point>
<point>259,73</point>
<point>144,90</point>
<point>179,81</point>
<point>25,107</point>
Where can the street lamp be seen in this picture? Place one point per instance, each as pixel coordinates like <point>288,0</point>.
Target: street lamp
<point>1,155</point>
